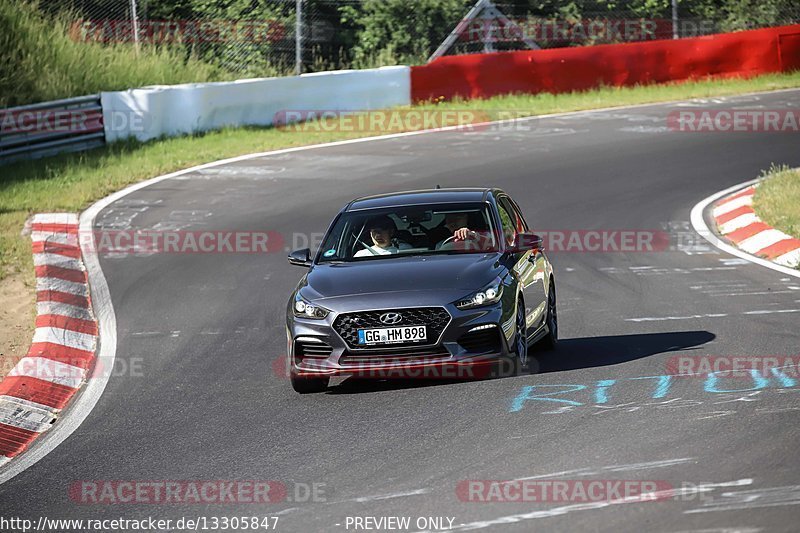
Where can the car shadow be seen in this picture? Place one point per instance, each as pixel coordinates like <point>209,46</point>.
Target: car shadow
<point>570,354</point>
<point>589,352</point>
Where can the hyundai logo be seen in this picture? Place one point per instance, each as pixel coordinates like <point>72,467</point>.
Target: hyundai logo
<point>391,318</point>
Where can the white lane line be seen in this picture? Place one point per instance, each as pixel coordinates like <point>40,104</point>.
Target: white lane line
<point>760,293</point>
<point>4,460</point>
<point>771,311</point>
<point>688,317</point>
<point>49,370</point>
<point>711,315</point>
<point>62,285</point>
<point>715,414</point>
<point>761,240</point>
<point>722,289</point>
<point>415,492</point>
<point>700,226</point>
<point>378,497</point>
<point>27,415</point>
<point>651,464</point>
<point>58,308</point>
<point>721,284</point>
<point>565,509</point>
<point>730,205</point>
<point>663,271</point>
<point>588,471</point>
<point>738,222</point>
<point>752,499</point>
<point>82,405</point>
<point>65,337</point>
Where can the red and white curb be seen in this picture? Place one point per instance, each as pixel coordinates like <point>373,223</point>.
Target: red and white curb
<point>738,223</point>
<point>63,349</point>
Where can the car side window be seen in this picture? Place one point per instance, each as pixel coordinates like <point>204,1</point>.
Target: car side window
<point>508,221</point>
<point>522,225</point>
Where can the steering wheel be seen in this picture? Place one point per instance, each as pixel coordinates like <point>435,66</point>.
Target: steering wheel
<point>448,243</point>
<point>469,243</point>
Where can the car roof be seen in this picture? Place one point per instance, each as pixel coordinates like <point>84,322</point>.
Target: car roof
<point>420,197</point>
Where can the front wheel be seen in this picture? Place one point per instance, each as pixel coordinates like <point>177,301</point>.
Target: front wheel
<point>306,385</point>
<point>550,341</point>
<point>518,358</point>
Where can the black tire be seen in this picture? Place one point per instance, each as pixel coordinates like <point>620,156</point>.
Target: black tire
<point>518,358</point>
<point>304,385</point>
<point>550,340</point>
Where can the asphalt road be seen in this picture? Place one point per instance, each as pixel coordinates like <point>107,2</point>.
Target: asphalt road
<point>196,397</point>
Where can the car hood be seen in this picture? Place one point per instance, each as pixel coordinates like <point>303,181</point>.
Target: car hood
<point>455,273</point>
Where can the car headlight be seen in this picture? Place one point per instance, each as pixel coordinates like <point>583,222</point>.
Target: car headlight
<point>488,295</point>
<point>305,309</point>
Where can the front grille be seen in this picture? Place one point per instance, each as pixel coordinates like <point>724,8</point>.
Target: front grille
<point>481,341</point>
<point>407,355</point>
<point>303,349</point>
<point>435,318</point>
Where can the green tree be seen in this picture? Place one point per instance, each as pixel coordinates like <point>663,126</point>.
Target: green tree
<point>400,31</point>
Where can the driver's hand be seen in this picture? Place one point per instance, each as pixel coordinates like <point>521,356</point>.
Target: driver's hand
<point>462,234</point>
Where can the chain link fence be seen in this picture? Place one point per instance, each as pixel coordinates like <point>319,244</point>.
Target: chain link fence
<point>276,37</point>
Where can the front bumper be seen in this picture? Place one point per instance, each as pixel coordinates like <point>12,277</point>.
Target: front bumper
<point>471,344</point>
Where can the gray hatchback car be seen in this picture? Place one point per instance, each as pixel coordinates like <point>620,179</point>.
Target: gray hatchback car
<point>432,283</point>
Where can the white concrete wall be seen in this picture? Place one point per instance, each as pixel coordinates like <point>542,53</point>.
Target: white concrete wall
<point>168,110</point>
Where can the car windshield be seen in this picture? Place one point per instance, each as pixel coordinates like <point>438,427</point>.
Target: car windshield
<point>450,228</point>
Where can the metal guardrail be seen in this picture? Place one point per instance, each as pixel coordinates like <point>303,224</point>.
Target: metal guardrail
<point>48,128</point>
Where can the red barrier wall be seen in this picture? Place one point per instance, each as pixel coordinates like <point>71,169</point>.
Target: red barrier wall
<point>745,53</point>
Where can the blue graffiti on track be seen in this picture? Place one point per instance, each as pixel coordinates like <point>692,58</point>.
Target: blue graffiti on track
<point>567,395</point>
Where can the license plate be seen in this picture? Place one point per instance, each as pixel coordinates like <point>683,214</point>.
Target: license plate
<point>392,335</point>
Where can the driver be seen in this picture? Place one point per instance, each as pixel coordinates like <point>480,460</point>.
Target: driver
<point>456,224</point>
<point>381,230</point>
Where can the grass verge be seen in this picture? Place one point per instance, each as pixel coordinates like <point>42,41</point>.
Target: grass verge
<point>44,59</point>
<point>777,200</point>
<point>73,181</point>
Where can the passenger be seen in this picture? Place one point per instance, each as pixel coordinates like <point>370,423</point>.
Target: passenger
<point>381,230</point>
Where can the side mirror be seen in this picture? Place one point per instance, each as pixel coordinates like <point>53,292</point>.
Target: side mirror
<point>300,257</point>
<point>525,242</point>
